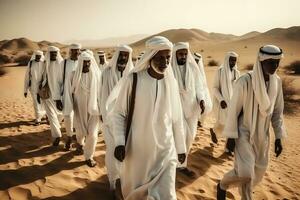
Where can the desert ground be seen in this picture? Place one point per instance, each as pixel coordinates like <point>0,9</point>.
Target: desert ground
<point>30,168</point>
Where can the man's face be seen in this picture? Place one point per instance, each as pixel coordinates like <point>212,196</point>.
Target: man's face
<point>53,55</point>
<point>270,66</point>
<point>181,56</point>
<point>86,66</point>
<point>123,59</point>
<point>38,58</point>
<point>161,60</point>
<point>74,54</point>
<point>232,61</point>
<point>101,59</point>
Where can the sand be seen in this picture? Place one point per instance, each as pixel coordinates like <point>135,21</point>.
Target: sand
<point>31,169</point>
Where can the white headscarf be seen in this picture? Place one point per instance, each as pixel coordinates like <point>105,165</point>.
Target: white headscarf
<point>38,52</point>
<point>173,108</point>
<point>101,53</point>
<point>75,46</point>
<point>208,101</point>
<point>113,71</point>
<point>226,77</point>
<point>114,60</point>
<point>94,82</point>
<point>265,97</point>
<point>47,56</point>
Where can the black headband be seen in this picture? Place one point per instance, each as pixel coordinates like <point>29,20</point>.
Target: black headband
<point>269,53</point>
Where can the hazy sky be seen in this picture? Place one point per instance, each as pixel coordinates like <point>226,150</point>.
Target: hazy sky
<point>63,20</point>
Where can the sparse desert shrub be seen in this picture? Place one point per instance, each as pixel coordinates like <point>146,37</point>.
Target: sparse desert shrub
<point>248,67</point>
<point>291,103</point>
<point>2,71</point>
<point>213,63</point>
<point>293,68</point>
<point>22,59</point>
<point>4,59</point>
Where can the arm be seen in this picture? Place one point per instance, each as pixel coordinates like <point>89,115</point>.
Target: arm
<point>59,81</point>
<point>234,110</point>
<point>178,129</point>
<point>120,112</point>
<point>217,88</point>
<point>68,95</point>
<point>277,116</point>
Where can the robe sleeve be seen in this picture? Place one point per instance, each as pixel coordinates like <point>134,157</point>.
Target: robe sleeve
<point>26,80</point>
<point>99,91</point>
<point>277,116</point>
<point>104,93</point>
<point>59,81</point>
<point>68,100</point>
<point>199,86</point>
<point>234,110</point>
<point>178,128</point>
<point>120,111</point>
<point>217,88</point>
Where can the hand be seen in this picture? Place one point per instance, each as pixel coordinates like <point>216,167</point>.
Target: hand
<point>223,104</point>
<point>25,94</point>
<point>38,98</point>
<point>59,105</point>
<point>202,106</point>
<point>230,144</point>
<point>120,153</point>
<point>181,157</point>
<point>278,147</point>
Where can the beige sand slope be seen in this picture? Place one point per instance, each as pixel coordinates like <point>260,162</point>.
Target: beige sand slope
<point>31,169</point>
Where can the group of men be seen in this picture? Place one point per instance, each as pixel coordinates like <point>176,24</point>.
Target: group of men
<point>149,112</point>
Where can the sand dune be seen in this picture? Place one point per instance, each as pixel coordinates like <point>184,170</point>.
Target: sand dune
<point>31,169</point>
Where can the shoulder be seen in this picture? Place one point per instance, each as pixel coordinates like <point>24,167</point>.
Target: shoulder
<point>244,79</point>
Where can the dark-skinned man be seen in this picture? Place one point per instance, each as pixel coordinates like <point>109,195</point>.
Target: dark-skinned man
<point>67,67</point>
<point>192,95</point>
<point>82,93</point>
<point>119,67</point>
<point>33,77</point>
<point>53,61</point>
<point>225,78</point>
<point>256,103</point>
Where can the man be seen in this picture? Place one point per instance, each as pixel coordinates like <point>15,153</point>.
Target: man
<point>120,65</point>
<point>191,90</point>
<point>35,71</point>
<point>82,97</point>
<point>101,60</point>
<point>257,101</point>
<point>156,131</point>
<point>53,61</point>
<point>208,101</point>
<point>67,67</point>
<point>225,78</point>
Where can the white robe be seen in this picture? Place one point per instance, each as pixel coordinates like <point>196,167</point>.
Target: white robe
<point>107,85</point>
<point>85,123</point>
<point>219,87</point>
<point>251,130</point>
<point>34,75</point>
<point>149,168</point>
<point>191,93</point>
<point>68,117</point>
<point>50,106</point>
